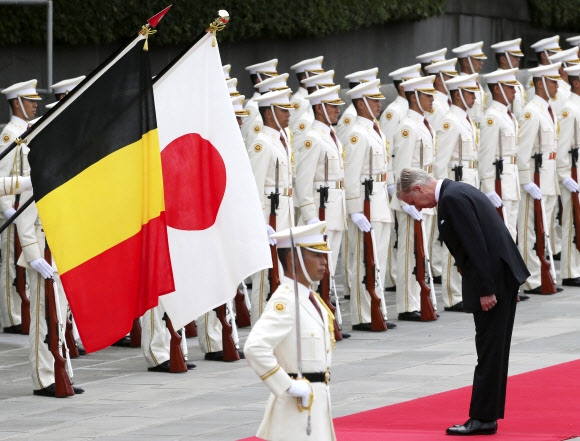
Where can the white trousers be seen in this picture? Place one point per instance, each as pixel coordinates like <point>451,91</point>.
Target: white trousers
<point>155,337</point>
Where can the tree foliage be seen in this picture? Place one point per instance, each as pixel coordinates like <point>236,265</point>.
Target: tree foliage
<point>562,15</point>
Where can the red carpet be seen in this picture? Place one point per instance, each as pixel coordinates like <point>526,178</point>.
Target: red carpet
<point>542,405</point>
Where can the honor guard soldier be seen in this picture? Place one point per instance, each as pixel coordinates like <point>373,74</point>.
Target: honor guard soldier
<point>296,321</point>
<point>258,72</point>
<point>567,163</point>
<point>23,100</point>
<point>349,115</point>
<point>226,68</point>
<point>537,150</point>
<point>543,49</point>
<point>415,144</point>
<point>456,159</point>
<point>567,58</point>
<point>443,71</point>
<point>270,158</point>
<point>471,58</point>
<point>508,55</point>
<point>431,57</point>
<point>498,148</point>
<point>304,69</point>
<point>367,158</point>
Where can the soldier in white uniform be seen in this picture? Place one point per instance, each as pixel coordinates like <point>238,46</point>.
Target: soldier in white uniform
<point>349,115</point>
<point>500,136</point>
<point>568,144</point>
<point>304,69</point>
<point>431,57</point>
<point>456,159</point>
<point>366,148</point>
<point>508,55</point>
<point>415,144</point>
<point>538,135</point>
<point>258,72</point>
<point>544,49</point>
<point>23,101</point>
<point>298,400</point>
<point>567,58</point>
<point>443,71</point>
<point>471,58</point>
<point>270,156</point>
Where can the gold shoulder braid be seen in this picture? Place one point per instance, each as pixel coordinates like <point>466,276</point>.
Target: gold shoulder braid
<point>330,317</point>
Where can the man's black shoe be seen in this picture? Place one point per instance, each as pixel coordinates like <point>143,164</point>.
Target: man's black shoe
<point>345,335</point>
<point>50,391</point>
<point>190,366</point>
<point>347,296</point>
<point>391,289</point>
<point>437,280</point>
<point>410,316</point>
<point>458,307</point>
<point>214,356</point>
<point>555,256</point>
<point>81,350</point>
<point>163,367</point>
<point>390,325</point>
<point>538,290</point>
<point>523,297</point>
<point>566,282</point>
<point>125,342</point>
<point>362,327</point>
<point>473,427</point>
<point>16,329</point>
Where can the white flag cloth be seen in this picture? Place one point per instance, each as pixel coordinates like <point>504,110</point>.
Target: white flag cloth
<point>215,223</point>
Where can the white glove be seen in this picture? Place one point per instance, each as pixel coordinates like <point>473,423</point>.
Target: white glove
<point>494,199</point>
<point>43,267</point>
<point>270,231</point>
<point>533,190</point>
<point>571,185</point>
<point>300,389</point>
<point>8,213</point>
<point>25,183</point>
<point>312,221</point>
<point>361,222</point>
<point>413,212</point>
<point>391,189</point>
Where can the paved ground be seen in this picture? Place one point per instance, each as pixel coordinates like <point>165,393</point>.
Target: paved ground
<point>225,401</point>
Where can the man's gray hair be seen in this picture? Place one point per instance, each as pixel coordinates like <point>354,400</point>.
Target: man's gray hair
<point>411,177</point>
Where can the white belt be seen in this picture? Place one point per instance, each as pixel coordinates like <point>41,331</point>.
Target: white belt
<point>282,191</point>
<point>465,164</point>
<point>329,184</point>
<point>377,178</point>
<point>549,156</point>
<point>509,159</point>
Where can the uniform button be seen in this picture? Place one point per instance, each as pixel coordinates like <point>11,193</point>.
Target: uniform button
<point>313,334</point>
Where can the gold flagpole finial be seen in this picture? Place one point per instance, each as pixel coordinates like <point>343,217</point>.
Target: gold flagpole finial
<point>146,30</point>
<point>218,24</point>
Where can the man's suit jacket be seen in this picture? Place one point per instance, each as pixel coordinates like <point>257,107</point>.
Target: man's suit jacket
<point>480,243</point>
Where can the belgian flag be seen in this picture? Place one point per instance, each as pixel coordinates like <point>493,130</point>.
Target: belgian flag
<point>98,186</point>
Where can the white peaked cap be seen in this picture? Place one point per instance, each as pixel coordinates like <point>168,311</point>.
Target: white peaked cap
<point>323,79</point>
<point>573,70</point>
<point>227,68</point>
<point>26,89</point>
<point>467,82</point>
<point>65,86</point>
<point>473,50</point>
<point>363,75</point>
<point>370,89</point>
<point>273,83</point>
<point>406,73</point>
<point>310,65</point>
<point>547,44</point>
<point>510,46</point>
<point>430,57</point>
<point>310,237</point>
<point>51,105</point>
<point>567,56</point>
<point>277,98</point>
<point>237,102</point>
<point>232,84</point>
<point>266,67</point>
<point>550,71</point>
<point>445,66</point>
<point>574,41</point>
<point>326,95</point>
<point>504,76</point>
<point>421,84</point>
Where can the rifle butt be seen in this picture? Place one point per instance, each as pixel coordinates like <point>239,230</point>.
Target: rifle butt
<point>337,333</point>
<point>176,358</point>
<point>73,351</point>
<point>62,386</point>
<point>25,316</point>
<point>548,286</point>
<point>242,313</point>
<point>135,334</point>
<point>427,311</point>
<point>228,345</point>
<point>377,321</point>
<point>190,330</point>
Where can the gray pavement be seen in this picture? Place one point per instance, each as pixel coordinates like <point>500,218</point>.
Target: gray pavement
<point>225,401</point>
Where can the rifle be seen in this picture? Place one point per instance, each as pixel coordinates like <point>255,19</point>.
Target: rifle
<point>427,311</point>
<point>575,201</point>
<point>324,285</point>
<point>62,383</point>
<point>498,172</point>
<point>242,310</point>
<point>176,358</point>
<point>377,318</point>
<point>135,334</point>
<point>273,273</point>
<point>70,340</point>
<point>458,169</point>
<point>548,285</point>
<point>190,330</point>
<point>20,280</point>
<point>228,345</point>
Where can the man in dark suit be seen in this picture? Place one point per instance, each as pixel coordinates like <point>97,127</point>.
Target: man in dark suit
<point>492,269</point>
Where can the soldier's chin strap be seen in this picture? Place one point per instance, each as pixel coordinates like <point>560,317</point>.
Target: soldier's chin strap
<point>463,99</point>
<point>507,56</point>
<point>507,103</point>
<point>419,101</point>
<point>368,107</point>
<point>22,107</point>
<point>301,260</point>
<point>326,114</point>
<point>282,131</point>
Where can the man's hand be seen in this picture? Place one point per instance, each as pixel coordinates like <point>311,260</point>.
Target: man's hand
<point>43,267</point>
<point>270,231</point>
<point>8,213</point>
<point>533,190</point>
<point>300,389</point>
<point>488,302</point>
<point>571,185</point>
<point>361,221</point>
<point>412,211</point>
<point>494,199</point>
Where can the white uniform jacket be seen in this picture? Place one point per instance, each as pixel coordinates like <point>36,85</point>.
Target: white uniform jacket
<point>569,135</point>
<point>11,164</point>
<point>438,112</point>
<point>301,106</point>
<point>390,119</point>
<point>345,122</point>
<point>248,122</point>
